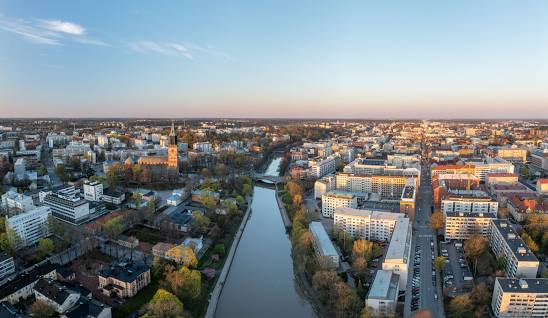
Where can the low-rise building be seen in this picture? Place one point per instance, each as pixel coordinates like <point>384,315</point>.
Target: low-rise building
<point>505,242</point>
<point>326,254</point>
<point>21,286</point>
<point>501,178</point>
<point>383,295</point>
<point>337,199</point>
<point>124,280</point>
<point>56,295</point>
<point>113,196</point>
<point>520,297</point>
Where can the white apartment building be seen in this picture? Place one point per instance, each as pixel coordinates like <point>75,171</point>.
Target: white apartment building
<point>520,298</point>
<point>7,265</point>
<point>13,200</point>
<point>202,147</point>
<point>29,226</point>
<point>368,224</point>
<point>336,199</point>
<point>399,251</point>
<point>473,201</point>
<point>93,191</point>
<point>324,185</point>
<point>504,241</point>
<point>326,254</point>
<point>462,225</point>
<point>67,205</point>
<point>320,167</point>
<point>383,295</point>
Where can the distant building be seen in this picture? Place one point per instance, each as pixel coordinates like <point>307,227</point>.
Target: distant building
<point>539,158</point>
<point>542,186</point>
<point>7,265</point>
<point>520,297</point>
<point>512,154</point>
<point>326,254</point>
<point>93,191</point>
<point>320,167</point>
<point>383,295</point>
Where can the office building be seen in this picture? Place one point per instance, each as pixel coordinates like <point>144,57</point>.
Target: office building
<point>336,199</point>
<point>383,295</point>
<point>29,226</point>
<point>67,205</point>
<point>505,242</point>
<point>326,254</point>
<point>93,191</point>
<point>520,298</point>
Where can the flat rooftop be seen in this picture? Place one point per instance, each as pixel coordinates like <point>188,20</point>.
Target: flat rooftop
<point>369,213</point>
<point>524,285</point>
<point>400,242</point>
<point>514,241</point>
<point>324,242</point>
<point>385,286</point>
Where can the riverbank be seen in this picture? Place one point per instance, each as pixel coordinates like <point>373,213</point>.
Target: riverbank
<point>216,293</point>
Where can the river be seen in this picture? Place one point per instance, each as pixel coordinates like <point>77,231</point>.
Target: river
<point>261,282</point>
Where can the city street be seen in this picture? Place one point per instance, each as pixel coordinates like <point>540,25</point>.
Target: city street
<point>431,297</point>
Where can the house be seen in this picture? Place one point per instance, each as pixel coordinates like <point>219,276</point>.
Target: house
<point>56,295</point>
<point>160,249</point>
<point>89,308</point>
<point>199,195</point>
<point>177,197</point>
<point>195,243</point>
<point>21,286</point>
<point>124,280</point>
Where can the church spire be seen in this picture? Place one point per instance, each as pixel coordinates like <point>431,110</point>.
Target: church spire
<point>172,136</point>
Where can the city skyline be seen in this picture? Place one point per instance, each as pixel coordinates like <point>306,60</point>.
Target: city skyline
<point>466,60</point>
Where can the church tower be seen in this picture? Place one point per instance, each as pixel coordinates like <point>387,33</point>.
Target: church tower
<point>172,158</point>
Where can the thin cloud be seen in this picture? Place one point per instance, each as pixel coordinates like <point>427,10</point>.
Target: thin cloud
<point>48,32</point>
<point>185,50</point>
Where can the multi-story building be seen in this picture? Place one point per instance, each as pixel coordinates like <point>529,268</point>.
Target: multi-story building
<point>542,186</point>
<point>67,205</point>
<point>56,295</point>
<point>501,178</point>
<point>14,202</point>
<point>461,225</point>
<point>407,200</point>
<point>29,226</point>
<point>335,199</point>
<point>539,158</point>
<point>383,295</point>
<point>320,167</point>
<point>513,154</point>
<point>520,298</point>
<point>399,251</point>
<point>324,185</point>
<point>520,207</point>
<point>7,265</point>
<point>326,254</point>
<point>479,168</point>
<point>475,201</point>
<point>368,224</point>
<point>387,186</point>
<point>202,147</point>
<point>93,191</point>
<point>505,242</point>
<point>124,280</point>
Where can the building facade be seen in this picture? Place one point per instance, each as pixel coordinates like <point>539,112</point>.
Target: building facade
<point>337,199</point>
<point>520,298</point>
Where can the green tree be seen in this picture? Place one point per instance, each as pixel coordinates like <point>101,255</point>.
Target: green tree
<point>474,247</point>
<point>61,173</point>
<point>530,243</point>
<point>437,221</point>
<point>201,222</point>
<point>42,171</point>
<point>41,309</point>
<point>114,226</point>
<point>4,242</point>
<point>45,246</point>
<point>192,286</point>
<point>164,305</point>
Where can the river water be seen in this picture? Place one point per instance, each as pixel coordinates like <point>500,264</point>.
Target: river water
<point>261,282</point>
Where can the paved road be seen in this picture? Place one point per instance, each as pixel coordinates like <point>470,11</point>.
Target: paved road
<point>423,237</point>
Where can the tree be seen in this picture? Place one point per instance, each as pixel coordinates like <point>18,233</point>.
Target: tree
<point>4,242</point>
<point>366,249</point>
<point>45,246</point>
<point>460,306</point>
<point>209,201</point>
<point>41,309</point>
<point>359,267</point>
<point>297,199</point>
<point>42,171</point>
<point>221,170</point>
<point>61,174</point>
<point>183,255</point>
<point>474,247</point>
<point>201,222</point>
<point>439,263</point>
<point>530,243</point>
<point>192,286</point>
<point>436,221</point>
<point>164,305</point>
<point>114,226</point>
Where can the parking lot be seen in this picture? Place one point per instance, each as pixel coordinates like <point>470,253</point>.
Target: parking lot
<point>457,277</point>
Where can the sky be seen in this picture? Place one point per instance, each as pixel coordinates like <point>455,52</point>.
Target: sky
<point>282,59</point>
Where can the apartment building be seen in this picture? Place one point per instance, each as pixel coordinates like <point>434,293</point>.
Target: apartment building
<point>324,185</point>
<point>461,225</point>
<point>512,154</point>
<point>387,186</point>
<point>539,158</point>
<point>29,226</point>
<point>326,254</point>
<point>320,167</point>
<point>7,265</point>
<point>520,298</point>
<point>368,224</point>
<point>473,201</point>
<point>479,168</point>
<point>504,241</point>
<point>501,178</point>
<point>383,295</point>
<point>13,202</point>
<point>399,251</point>
<point>336,199</point>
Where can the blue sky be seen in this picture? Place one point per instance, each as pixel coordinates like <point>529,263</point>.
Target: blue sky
<point>339,59</point>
